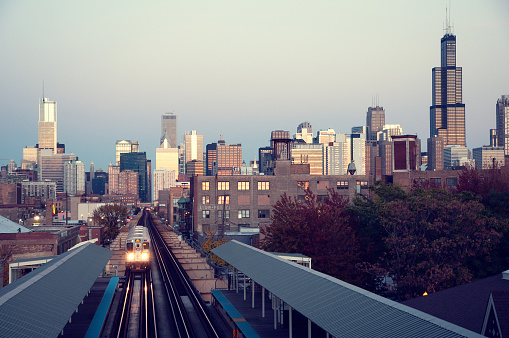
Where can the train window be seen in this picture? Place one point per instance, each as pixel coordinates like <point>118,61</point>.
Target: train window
<point>129,246</point>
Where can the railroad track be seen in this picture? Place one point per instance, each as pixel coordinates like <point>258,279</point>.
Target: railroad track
<point>188,309</point>
<point>137,317</point>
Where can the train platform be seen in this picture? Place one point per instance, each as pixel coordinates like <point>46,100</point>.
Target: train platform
<point>247,320</point>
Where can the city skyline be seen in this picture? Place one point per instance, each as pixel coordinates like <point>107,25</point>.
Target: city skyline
<point>238,70</point>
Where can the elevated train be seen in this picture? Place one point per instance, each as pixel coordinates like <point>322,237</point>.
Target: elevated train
<point>137,247</point>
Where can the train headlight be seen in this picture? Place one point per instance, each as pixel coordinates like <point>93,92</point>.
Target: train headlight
<point>144,256</point>
<point>130,256</point>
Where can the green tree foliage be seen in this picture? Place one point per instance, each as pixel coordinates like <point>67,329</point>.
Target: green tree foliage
<point>430,237</point>
<point>318,228</point>
<point>110,217</point>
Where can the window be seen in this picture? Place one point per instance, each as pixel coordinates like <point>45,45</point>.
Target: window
<point>205,199</point>
<point>205,185</point>
<point>224,199</point>
<point>205,214</point>
<point>303,185</point>
<point>363,184</point>
<point>244,213</point>
<point>263,185</point>
<point>451,181</point>
<point>263,213</point>
<point>226,214</point>
<point>243,185</point>
<point>223,185</point>
<point>342,185</point>
<point>435,182</point>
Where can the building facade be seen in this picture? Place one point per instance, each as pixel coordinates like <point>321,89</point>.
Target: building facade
<point>167,157</point>
<point>137,162</point>
<point>455,156</point>
<point>125,146</point>
<point>193,144</point>
<point>447,111</point>
<point>223,158</point>
<point>163,179</point>
<point>52,167</point>
<point>48,125</point>
<point>74,177</point>
<point>229,202</point>
<point>488,157</point>
<point>503,123</point>
<point>375,120</point>
<point>169,129</point>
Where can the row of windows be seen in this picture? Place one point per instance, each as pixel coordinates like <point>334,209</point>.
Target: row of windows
<point>225,185</point>
<point>242,213</point>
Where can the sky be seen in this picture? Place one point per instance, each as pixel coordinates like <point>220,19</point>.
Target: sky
<point>237,69</point>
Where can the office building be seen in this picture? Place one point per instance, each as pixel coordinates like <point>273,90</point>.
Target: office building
<point>326,136</point>
<point>169,129</point>
<point>436,147</point>
<point>195,168</point>
<point>455,156</point>
<point>48,125</point>
<point>113,179</point>
<point>388,131</point>
<point>502,133</point>
<point>447,111</point>
<point>223,158</point>
<point>74,177</point>
<point>128,183</point>
<point>167,157</point>
<point>353,147</point>
<point>311,154</point>
<point>406,153</point>
<point>52,167</point>
<point>163,179</point>
<point>375,120</point>
<point>265,160</point>
<point>125,146</point>
<point>137,162</point>
<point>193,144</point>
<point>385,150</point>
<point>488,157</point>
<point>304,132</point>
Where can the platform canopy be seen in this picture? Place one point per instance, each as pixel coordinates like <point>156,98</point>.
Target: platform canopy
<point>339,308</point>
<point>40,303</point>
<point>7,226</point>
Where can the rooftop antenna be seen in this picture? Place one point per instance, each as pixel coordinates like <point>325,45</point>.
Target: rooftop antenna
<point>42,90</point>
<point>448,29</point>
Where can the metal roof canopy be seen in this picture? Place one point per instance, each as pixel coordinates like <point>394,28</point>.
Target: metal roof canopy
<point>339,308</point>
<point>41,303</point>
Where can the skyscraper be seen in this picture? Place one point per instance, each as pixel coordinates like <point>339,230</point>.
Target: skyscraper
<point>167,157</point>
<point>447,112</point>
<point>137,162</point>
<point>375,121</point>
<point>503,123</point>
<point>74,177</point>
<point>223,158</point>
<point>169,129</point>
<point>193,147</point>
<point>125,146</point>
<point>48,125</point>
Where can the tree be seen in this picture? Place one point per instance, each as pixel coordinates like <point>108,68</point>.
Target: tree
<point>110,216</point>
<point>318,228</point>
<point>210,243</point>
<point>430,238</point>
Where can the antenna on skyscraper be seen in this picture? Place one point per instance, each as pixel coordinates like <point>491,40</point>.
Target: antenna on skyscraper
<point>43,90</point>
<point>448,19</point>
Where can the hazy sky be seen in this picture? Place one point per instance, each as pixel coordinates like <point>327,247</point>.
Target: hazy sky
<point>237,68</point>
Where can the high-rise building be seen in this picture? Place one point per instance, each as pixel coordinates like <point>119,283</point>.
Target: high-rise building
<point>52,167</point>
<point>353,148</point>
<point>455,156</point>
<point>223,158</point>
<point>167,157</point>
<point>74,177</point>
<point>503,123</point>
<point>193,147</point>
<point>312,154</point>
<point>128,183</point>
<point>113,179</point>
<point>48,125</point>
<point>163,179</point>
<point>326,136</point>
<point>375,120</point>
<point>125,146</point>
<point>488,157</point>
<point>406,153</point>
<point>304,132</point>
<point>169,129</point>
<point>137,162</point>
<point>447,112</point>
<point>436,147</point>
<point>388,131</point>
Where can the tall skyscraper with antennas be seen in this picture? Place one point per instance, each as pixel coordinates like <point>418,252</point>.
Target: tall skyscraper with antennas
<point>48,124</point>
<point>447,111</point>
